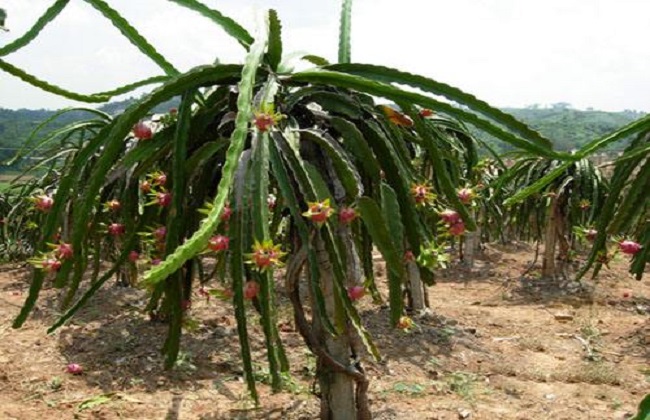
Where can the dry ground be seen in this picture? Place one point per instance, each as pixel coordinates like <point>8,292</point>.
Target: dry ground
<point>497,347</point>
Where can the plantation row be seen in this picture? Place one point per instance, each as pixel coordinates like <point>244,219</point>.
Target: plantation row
<point>264,172</point>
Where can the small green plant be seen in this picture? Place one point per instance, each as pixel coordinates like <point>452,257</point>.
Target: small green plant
<point>191,324</point>
<point>589,337</point>
<point>645,372</point>
<point>96,401</point>
<point>291,385</point>
<point>446,333</point>
<point>310,365</point>
<point>136,381</point>
<point>463,384</point>
<point>532,344</point>
<point>410,389</point>
<point>263,375</point>
<point>55,383</point>
<point>434,362</point>
<point>184,362</point>
<point>616,404</point>
<point>590,332</point>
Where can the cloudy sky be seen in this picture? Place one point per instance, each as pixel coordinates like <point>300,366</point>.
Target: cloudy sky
<point>589,53</point>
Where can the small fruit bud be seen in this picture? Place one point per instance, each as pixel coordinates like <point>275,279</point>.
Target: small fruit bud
<point>405,323</point>
<point>116,229</point>
<point>226,213</point>
<point>160,179</point>
<point>265,256</point>
<point>63,251</point>
<point>164,199</point>
<point>113,205</point>
<point>51,265</point>
<point>43,203</point>
<point>629,247</point>
<point>142,131</point>
<point>397,117</point>
<point>74,369</point>
<point>356,292</point>
<point>457,228</point>
<point>421,194</point>
<point>251,289</point>
<point>186,304</point>
<point>319,212</point>
<point>450,217</point>
<point>347,215</point>
<point>203,292</point>
<point>145,187</point>
<point>271,201</point>
<point>266,117</point>
<point>466,195</point>
<point>591,234</point>
<point>218,243</point>
<point>263,122</point>
<point>160,233</point>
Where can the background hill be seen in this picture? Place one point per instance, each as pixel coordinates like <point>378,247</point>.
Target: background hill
<point>567,127</point>
<point>16,126</point>
<point>570,128</point>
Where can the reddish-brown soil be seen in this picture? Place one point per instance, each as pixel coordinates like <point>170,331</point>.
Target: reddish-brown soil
<point>496,347</point>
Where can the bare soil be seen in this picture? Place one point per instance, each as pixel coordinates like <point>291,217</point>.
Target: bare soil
<point>497,346</point>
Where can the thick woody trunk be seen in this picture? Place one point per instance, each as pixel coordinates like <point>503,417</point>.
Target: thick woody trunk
<point>564,247</point>
<point>343,385</point>
<point>472,244</point>
<point>472,241</point>
<point>550,239</point>
<point>417,289</point>
<point>354,273</point>
<point>337,389</point>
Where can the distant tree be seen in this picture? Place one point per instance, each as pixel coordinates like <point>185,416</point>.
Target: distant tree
<point>561,105</point>
<point>3,17</point>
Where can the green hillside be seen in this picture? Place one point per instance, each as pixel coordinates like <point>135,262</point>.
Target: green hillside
<point>567,127</point>
<point>570,128</point>
<point>16,126</point>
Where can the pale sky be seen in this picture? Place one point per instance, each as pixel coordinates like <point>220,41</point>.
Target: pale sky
<point>589,53</point>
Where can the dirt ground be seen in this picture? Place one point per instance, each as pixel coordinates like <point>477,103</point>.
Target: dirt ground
<point>498,346</point>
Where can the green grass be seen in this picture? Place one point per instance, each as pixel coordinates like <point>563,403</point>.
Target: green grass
<point>7,177</point>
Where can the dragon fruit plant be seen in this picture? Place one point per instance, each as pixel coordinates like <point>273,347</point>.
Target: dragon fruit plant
<point>348,174</point>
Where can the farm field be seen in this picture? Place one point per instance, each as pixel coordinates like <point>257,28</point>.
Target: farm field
<point>5,181</point>
<point>281,234</point>
<point>6,178</point>
<point>496,347</point>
